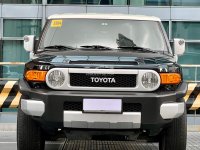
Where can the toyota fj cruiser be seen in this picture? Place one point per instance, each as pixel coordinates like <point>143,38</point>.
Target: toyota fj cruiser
<point>102,74</point>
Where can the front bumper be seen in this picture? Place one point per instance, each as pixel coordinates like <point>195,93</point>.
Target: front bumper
<point>158,109</point>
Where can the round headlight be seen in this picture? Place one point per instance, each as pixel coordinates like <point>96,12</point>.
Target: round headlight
<point>150,80</point>
<point>56,78</point>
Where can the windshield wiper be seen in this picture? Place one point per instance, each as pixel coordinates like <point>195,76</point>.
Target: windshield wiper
<point>137,48</point>
<point>55,48</point>
<point>100,47</point>
<point>60,47</point>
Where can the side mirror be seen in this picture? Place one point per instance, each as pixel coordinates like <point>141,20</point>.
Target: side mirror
<point>179,46</point>
<point>29,41</point>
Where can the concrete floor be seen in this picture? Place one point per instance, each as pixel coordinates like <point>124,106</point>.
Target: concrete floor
<point>8,139</point>
<point>8,142</point>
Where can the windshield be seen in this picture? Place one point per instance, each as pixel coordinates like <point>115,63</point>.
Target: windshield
<point>114,34</point>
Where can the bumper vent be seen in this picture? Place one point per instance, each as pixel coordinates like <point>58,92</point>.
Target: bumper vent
<point>104,62</point>
<point>132,107</point>
<point>73,106</point>
<point>103,80</point>
<point>127,107</point>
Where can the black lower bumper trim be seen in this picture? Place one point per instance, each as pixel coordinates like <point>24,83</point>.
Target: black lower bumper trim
<point>150,103</point>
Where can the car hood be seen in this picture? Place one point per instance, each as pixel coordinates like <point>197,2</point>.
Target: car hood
<point>104,59</point>
<point>76,57</point>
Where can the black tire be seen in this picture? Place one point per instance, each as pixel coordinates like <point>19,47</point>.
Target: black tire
<point>29,134</point>
<point>175,136</point>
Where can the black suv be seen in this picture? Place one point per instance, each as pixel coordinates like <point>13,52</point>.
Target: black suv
<point>102,74</point>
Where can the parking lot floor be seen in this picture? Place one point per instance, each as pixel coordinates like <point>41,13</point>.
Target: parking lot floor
<point>8,142</point>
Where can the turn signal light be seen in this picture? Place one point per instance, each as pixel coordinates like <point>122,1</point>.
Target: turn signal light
<point>170,78</point>
<point>35,75</point>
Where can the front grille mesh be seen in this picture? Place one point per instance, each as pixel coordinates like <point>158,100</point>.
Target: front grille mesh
<point>92,80</point>
<point>127,107</point>
<point>132,107</point>
<point>73,106</point>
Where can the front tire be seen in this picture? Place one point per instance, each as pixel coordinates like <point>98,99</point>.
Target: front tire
<point>175,136</point>
<point>29,134</point>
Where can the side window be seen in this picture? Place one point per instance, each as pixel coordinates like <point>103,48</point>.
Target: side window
<point>21,1</point>
<point>12,52</point>
<point>106,2</point>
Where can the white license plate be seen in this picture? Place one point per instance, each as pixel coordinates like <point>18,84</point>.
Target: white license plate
<point>102,105</point>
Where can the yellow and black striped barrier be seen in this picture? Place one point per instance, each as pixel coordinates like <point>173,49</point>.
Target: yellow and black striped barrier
<point>9,92</point>
<point>10,95</point>
<point>192,97</point>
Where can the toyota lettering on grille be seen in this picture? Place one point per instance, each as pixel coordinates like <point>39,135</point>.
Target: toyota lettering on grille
<point>102,80</point>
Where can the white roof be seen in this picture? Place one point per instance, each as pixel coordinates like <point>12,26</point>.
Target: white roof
<point>104,16</point>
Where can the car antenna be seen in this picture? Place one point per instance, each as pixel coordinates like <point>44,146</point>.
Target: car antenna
<point>37,17</point>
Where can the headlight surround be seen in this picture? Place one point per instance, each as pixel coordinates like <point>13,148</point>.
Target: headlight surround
<point>55,78</point>
<point>150,80</point>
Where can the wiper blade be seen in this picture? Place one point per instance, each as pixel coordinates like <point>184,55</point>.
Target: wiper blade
<point>60,47</point>
<point>137,48</point>
<point>55,48</point>
<point>100,47</point>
